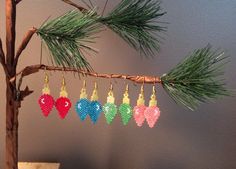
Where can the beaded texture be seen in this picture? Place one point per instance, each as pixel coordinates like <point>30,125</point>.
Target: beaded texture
<point>63,106</point>
<point>110,111</point>
<point>82,108</point>
<point>152,114</point>
<point>46,103</point>
<point>126,113</point>
<point>139,114</point>
<point>95,111</point>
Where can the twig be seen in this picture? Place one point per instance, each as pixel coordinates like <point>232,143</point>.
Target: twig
<point>2,55</point>
<point>82,9</point>
<point>18,1</point>
<point>137,79</point>
<point>104,8</point>
<point>24,43</point>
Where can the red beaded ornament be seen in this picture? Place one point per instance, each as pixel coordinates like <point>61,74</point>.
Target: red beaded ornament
<point>63,104</point>
<point>46,101</point>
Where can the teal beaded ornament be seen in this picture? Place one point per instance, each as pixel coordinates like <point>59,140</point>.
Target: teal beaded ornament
<point>110,109</point>
<point>95,106</point>
<point>125,109</point>
<point>82,107</point>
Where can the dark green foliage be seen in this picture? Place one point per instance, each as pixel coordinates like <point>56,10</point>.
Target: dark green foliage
<point>136,22</point>
<point>67,37</point>
<point>197,79</point>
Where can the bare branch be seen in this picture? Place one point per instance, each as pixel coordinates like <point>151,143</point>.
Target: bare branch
<point>2,59</point>
<point>18,1</point>
<point>82,9</point>
<point>2,55</point>
<point>137,79</point>
<point>24,43</point>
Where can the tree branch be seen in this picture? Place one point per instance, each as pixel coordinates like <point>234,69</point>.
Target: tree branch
<point>24,43</point>
<point>18,1</point>
<point>10,33</point>
<point>82,9</point>
<point>2,58</point>
<point>137,79</point>
<point>2,55</point>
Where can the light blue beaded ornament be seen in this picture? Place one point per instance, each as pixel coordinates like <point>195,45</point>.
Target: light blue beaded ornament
<point>95,107</point>
<point>82,107</point>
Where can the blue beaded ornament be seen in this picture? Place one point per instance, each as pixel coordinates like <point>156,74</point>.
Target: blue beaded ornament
<point>95,107</point>
<point>82,107</point>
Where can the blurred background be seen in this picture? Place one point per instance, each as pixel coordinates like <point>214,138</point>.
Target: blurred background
<point>182,139</point>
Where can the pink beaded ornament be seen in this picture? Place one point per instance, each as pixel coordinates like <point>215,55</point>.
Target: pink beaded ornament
<point>63,104</point>
<point>152,113</point>
<point>140,108</point>
<point>46,101</point>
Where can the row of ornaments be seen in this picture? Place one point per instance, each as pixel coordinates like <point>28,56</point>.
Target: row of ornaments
<point>93,108</point>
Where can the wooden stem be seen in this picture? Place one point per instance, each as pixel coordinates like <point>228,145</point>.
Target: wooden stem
<point>18,1</point>
<point>2,59</point>
<point>12,109</point>
<point>2,55</point>
<point>137,79</point>
<point>24,44</point>
<point>10,32</point>
<point>12,105</point>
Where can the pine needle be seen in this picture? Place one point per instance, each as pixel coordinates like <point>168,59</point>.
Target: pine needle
<point>136,22</point>
<point>197,79</point>
<point>68,35</point>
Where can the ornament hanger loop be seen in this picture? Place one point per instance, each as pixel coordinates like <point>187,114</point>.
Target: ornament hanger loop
<point>84,84</point>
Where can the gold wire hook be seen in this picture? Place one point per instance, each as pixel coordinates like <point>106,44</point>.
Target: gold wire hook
<point>154,86</point>
<point>63,79</point>
<point>84,84</point>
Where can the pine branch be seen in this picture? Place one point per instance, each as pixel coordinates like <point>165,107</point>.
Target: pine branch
<point>197,79</point>
<point>137,79</point>
<point>136,22</point>
<point>67,36</point>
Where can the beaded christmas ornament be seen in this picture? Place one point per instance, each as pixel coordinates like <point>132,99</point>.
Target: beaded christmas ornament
<point>83,105</point>
<point>95,108</point>
<point>140,108</point>
<point>110,109</point>
<point>63,104</point>
<point>125,108</point>
<point>46,101</point>
<point>152,113</point>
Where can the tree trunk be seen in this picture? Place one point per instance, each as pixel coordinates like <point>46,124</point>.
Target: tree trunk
<point>12,107</point>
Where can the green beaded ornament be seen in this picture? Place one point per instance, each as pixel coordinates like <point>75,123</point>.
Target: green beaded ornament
<point>125,109</point>
<point>110,109</point>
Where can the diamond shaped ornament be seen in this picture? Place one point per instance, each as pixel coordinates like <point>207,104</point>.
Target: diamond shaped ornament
<point>95,111</point>
<point>152,114</point>
<point>82,108</point>
<point>139,114</point>
<point>110,111</point>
